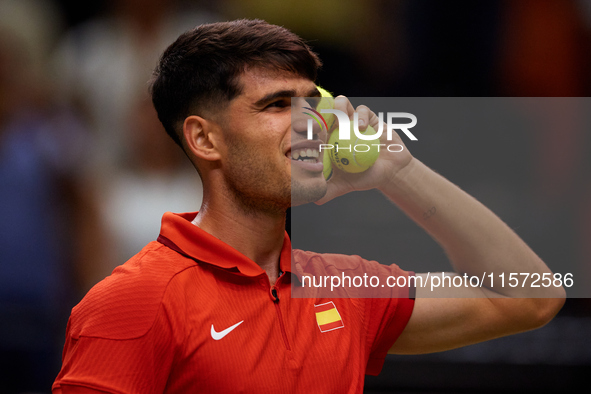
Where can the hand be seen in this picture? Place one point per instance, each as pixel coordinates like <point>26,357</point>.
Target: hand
<point>386,166</point>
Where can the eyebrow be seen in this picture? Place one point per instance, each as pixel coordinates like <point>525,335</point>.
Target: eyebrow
<point>284,93</point>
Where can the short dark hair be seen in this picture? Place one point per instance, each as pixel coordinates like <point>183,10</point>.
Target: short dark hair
<point>199,72</point>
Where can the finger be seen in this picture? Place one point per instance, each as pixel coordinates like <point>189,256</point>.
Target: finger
<point>343,104</point>
<point>374,120</point>
<point>364,115</point>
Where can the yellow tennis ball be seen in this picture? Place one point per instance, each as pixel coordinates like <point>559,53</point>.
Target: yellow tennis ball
<point>324,92</point>
<point>327,171</point>
<point>354,155</point>
<point>326,102</point>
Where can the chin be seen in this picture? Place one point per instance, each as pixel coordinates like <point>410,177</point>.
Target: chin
<point>304,194</point>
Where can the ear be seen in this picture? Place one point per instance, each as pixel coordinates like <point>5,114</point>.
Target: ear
<point>202,137</point>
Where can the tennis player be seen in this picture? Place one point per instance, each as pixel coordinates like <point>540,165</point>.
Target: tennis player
<point>208,306</point>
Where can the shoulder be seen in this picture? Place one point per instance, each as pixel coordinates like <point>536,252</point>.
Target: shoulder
<point>330,275</point>
<point>312,259</point>
<point>313,262</point>
<point>125,304</point>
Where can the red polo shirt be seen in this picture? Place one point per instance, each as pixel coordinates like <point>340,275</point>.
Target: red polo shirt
<point>191,314</point>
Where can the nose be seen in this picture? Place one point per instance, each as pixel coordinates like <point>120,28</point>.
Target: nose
<point>305,119</point>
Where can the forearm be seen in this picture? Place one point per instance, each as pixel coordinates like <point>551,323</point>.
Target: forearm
<point>475,239</point>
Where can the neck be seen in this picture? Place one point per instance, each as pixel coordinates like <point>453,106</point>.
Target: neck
<point>257,235</point>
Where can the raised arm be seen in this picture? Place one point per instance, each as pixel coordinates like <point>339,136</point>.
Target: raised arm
<point>477,243</point>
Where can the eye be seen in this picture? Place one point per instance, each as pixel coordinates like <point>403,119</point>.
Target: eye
<point>280,103</point>
<point>313,101</point>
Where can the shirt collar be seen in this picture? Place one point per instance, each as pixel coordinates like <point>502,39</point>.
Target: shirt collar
<point>178,233</point>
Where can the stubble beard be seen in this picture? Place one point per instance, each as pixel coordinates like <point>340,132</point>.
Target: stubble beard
<point>303,194</point>
<point>256,185</point>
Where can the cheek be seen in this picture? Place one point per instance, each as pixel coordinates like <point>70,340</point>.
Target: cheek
<point>259,143</point>
<point>255,164</point>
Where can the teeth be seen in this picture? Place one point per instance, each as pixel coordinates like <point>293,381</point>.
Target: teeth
<point>309,154</point>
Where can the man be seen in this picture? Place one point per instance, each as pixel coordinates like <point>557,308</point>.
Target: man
<point>208,307</point>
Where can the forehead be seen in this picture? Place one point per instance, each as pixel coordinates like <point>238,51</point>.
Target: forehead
<point>257,83</point>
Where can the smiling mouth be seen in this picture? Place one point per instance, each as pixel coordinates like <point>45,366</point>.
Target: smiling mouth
<point>308,155</point>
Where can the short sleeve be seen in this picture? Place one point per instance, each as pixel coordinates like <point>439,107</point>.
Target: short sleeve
<point>124,335</point>
<point>386,318</point>
<point>137,365</point>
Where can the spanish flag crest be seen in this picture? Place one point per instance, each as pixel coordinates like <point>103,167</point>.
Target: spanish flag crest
<point>328,317</point>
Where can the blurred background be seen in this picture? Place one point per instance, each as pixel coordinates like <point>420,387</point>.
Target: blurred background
<point>86,170</point>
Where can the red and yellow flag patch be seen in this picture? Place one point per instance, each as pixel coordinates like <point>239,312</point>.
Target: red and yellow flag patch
<point>328,317</point>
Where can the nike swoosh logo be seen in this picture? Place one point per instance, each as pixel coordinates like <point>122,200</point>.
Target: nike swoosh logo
<point>219,335</point>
